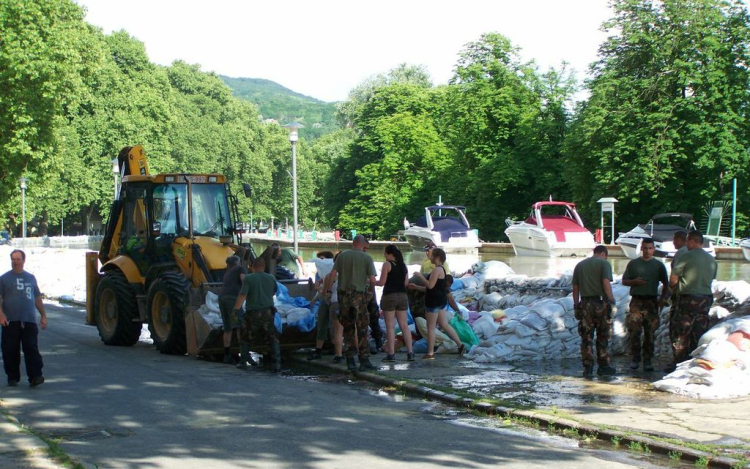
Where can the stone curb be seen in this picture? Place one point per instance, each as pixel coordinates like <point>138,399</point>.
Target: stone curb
<point>622,435</point>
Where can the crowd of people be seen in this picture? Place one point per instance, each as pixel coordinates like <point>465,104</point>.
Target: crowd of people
<point>689,286</point>
<point>348,313</point>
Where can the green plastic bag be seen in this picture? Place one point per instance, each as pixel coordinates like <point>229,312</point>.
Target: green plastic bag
<point>464,331</point>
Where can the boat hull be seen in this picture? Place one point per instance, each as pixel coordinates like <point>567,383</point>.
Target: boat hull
<point>418,238</point>
<point>745,246</point>
<point>531,241</point>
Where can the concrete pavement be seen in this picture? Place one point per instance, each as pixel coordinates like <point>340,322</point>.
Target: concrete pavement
<point>624,407</point>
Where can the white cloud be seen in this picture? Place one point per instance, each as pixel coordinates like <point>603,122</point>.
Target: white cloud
<point>324,49</point>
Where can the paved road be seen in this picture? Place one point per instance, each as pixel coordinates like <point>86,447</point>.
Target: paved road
<point>131,407</point>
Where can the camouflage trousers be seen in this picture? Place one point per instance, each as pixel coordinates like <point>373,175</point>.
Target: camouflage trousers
<point>258,327</point>
<point>353,316</point>
<point>642,317</point>
<point>594,319</point>
<point>373,313</point>
<point>687,323</point>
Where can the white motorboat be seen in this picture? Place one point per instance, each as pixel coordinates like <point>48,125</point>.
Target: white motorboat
<point>553,229</point>
<point>661,228</point>
<point>444,225</point>
<point>745,246</point>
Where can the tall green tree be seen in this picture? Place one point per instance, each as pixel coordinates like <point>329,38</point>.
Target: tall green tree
<point>666,125</point>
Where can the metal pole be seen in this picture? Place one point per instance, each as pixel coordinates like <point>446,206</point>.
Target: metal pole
<point>115,174</point>
<point>734,208</point>
<point>612,239</point>
<point>294,192</point>
<point>601,223</point>
<point>23,210</point>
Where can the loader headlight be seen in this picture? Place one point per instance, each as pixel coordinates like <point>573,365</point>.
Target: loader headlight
<point>212,179</point>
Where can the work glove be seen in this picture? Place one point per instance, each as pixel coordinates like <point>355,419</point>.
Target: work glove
<point>612,311</point>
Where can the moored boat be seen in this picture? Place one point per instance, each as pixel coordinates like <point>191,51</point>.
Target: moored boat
<point>553,229</point>
<point>661,228</point>
<point>444,225</point>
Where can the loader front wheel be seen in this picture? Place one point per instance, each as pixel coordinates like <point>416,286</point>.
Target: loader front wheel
<point>167,307</point>
<point>114,309</point>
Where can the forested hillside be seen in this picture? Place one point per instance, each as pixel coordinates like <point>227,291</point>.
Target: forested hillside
<point>284,105</point>
<point>665,126</point>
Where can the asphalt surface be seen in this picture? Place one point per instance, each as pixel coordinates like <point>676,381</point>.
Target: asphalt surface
<point>130,407</point>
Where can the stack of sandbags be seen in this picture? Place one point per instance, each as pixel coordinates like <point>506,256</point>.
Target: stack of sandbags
<point>732,294</point>
<point>719,367</point>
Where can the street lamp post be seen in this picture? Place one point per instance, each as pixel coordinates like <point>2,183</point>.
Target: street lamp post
<point>22,182</point>
<point>115,172</point>
<point>293,135</point>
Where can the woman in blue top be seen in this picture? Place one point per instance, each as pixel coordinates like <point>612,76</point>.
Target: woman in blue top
<point>436,301</point>
<point>394,276</point>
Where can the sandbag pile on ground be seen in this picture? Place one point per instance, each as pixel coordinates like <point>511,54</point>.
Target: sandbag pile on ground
<point>719,367</point>
<point>540,329</point>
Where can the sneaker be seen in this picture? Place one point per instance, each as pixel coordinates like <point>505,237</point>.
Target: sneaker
<point>228,360</point>
<point>647,366</point>
<point>366,365</point>
<point>461,350</point>
<point>314,356</point>
<point>588,370</point>
<point>338,358</point>
<point>635,363</point>
<point>12,383</point>
<point>36,381</point>
<point>242,365</point>
<point>428,356</point>
<point>606,370</point>
<point>410,356</point>
<point>390,358</point>
<point>351,364</point>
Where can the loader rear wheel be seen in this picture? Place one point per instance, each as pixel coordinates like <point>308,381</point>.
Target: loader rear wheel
<point>114,309</point>
<point>167,307</point>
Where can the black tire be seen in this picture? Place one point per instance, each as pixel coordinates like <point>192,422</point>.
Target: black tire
<point>115,308</point>
<point>167,302</point>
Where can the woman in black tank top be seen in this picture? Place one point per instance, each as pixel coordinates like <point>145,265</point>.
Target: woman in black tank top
<point>436,301</point>
<point>394,276</point>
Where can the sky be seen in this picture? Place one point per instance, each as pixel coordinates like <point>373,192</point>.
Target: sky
<point>324,49</point>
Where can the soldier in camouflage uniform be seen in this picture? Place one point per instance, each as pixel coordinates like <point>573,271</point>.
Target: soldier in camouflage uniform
<point>692,276</point>
<point>643,276</point>
<point>354,268</point>
<point>594,308</point>
<point>259,289</point>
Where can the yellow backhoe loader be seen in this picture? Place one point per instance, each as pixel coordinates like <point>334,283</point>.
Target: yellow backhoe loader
<point>166,243</point>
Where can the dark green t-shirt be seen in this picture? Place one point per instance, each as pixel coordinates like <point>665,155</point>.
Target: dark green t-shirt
<point>652,271</point>
<point>354,268</point>
<point>677,255</point>
<point>696,269</point>
<point>289,260</point>
<point>260,289</point>
<point>588,275</point>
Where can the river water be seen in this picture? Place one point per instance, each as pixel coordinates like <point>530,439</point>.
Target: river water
<point>531,266</point>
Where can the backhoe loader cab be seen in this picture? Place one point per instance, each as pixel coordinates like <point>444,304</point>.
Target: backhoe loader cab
<point>167,238</point>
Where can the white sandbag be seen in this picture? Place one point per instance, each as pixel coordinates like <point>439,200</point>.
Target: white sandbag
<point>470,283</point>
<point>566,303</point>
<point>718,312</point>
<point>496,270</point>
<point>719,352</point>
<point>212,302</point>
<point>534,321</point>
<point>485,327</point>
<point>323,267</point>
<point>523,330</point>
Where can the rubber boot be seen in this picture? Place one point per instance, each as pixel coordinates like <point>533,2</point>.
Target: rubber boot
<point>351,364</point>
<point>275,355</point>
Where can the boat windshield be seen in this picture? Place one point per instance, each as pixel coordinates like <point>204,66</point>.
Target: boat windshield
<point>210,209</point>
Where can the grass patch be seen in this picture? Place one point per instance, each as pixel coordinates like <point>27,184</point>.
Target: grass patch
<point>616,441</point>
<point>701,462</point>
<point>571,433</point>
<point>675,455</point>
<point>635,446</point>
